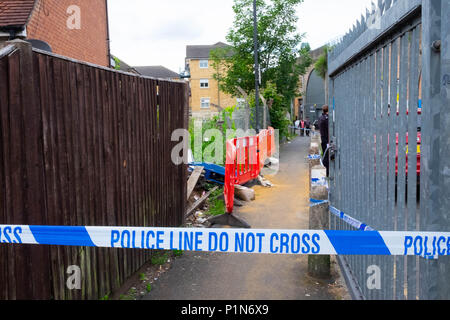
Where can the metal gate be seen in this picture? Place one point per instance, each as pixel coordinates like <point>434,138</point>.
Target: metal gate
<point>390,103</point>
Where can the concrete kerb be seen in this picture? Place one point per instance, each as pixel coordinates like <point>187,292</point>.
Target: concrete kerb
<point>318,266</point>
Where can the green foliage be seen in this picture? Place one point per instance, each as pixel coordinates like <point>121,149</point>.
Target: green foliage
<point>321,65</point>
<point>228,112</point>
<point>287,76</point>
<point>142,276</point>
<point>218,123</point>
<point>278,110</point>
<point>148,287</point>
<point>216,203</point>
<point>131,295</point>
<point>159,258</point>
<point>278,38</point>
<point>177,253</point>
<point>196,134</point>
<point>117,63</point>
<point>281,59</point>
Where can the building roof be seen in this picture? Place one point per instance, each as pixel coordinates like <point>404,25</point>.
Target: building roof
<point>15,13</point>
<point>157,72</point>
<point>119,64</point>
<point>203,52</point>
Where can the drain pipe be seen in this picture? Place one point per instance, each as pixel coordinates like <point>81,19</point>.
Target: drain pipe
<point>108,40</point>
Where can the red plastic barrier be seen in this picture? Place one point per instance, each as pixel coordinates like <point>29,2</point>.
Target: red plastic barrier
<point>262,138</point>
<point>244,161</point>
<point>246,155</point>
<point>230,176</point>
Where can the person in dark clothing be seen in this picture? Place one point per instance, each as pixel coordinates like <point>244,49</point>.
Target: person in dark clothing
<point>307,127</point>
<point>323,127</point>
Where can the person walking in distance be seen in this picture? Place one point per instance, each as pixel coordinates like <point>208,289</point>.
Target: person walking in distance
<point>323,127</point>
<point>307,126</point>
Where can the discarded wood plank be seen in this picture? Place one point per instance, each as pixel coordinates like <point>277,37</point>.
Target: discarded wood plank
<point>199,202</point>
<point>193,179</point>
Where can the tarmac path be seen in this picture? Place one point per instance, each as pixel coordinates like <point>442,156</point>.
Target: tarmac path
<point>229,276</point>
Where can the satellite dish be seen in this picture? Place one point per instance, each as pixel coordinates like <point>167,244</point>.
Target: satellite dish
<point>39,44</point>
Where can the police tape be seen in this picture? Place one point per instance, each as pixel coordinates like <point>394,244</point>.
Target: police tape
<point>319,182</point>
<point>351,221</point>
<point>315,202</point>
<point>363,227</point>
<point>296,242</point>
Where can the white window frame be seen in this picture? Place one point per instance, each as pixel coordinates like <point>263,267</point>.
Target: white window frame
<point>203,61</point>
<point>202,102</point>
<point>204,81</point>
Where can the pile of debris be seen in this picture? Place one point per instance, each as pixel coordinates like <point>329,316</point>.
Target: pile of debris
<point>202,193</point>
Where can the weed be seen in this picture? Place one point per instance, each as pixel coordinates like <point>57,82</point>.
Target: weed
<point>159,258</point>
<point>142,276</point>
<point>177,253</point>
<point>216,204</point>
<point>149,287</point>
<point>126,297</point>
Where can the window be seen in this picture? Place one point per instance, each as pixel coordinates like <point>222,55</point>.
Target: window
<point>204,103</point>
<point>204,83</point>
<point>203,64</point>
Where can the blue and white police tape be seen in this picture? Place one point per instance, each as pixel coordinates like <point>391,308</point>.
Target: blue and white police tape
<point>319,182</point>
<point>315,202</point>
<point>363,227</point>
<point>314,157</point>
<point>297,242</point>
<point>351,221</point>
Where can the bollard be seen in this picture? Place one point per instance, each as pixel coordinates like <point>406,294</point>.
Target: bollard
<point>313,150</point>
<point>315,145</point>
<point>312,163</point>
<point>319,266</point>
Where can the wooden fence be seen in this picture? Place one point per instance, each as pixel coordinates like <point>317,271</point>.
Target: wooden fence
<point>83,145</point>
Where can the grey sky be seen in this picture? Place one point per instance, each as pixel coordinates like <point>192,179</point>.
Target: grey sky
<point>149,32</point>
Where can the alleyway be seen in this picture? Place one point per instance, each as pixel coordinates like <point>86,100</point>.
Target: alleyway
<point>213,276</point>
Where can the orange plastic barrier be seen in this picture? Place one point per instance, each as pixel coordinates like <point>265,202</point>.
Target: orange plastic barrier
<point>244,161</point>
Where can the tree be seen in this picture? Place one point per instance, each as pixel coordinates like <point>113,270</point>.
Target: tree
<point>278,45</point>
<point>279,50</point>
<point>321,68</point>
<point>321,65</point>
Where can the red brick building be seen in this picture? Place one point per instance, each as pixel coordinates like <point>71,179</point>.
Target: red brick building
<point>74,28</point>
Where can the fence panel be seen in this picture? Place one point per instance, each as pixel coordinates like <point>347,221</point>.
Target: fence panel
<point>386,170</point>
<point>83,145</point>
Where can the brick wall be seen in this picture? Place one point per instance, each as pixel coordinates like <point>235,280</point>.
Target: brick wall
<point>89,43</point>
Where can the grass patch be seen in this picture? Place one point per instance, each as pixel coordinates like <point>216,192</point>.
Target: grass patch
<point>126,297</point>
<point>131,295</point>
<point>216,204</point>
<point>160,258</point>
<point>177,253</point>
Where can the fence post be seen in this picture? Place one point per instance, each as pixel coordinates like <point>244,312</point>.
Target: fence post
<point>435,142</point>
<point>319,265</point>
<point>25,156</point>
<point>313,151</point>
